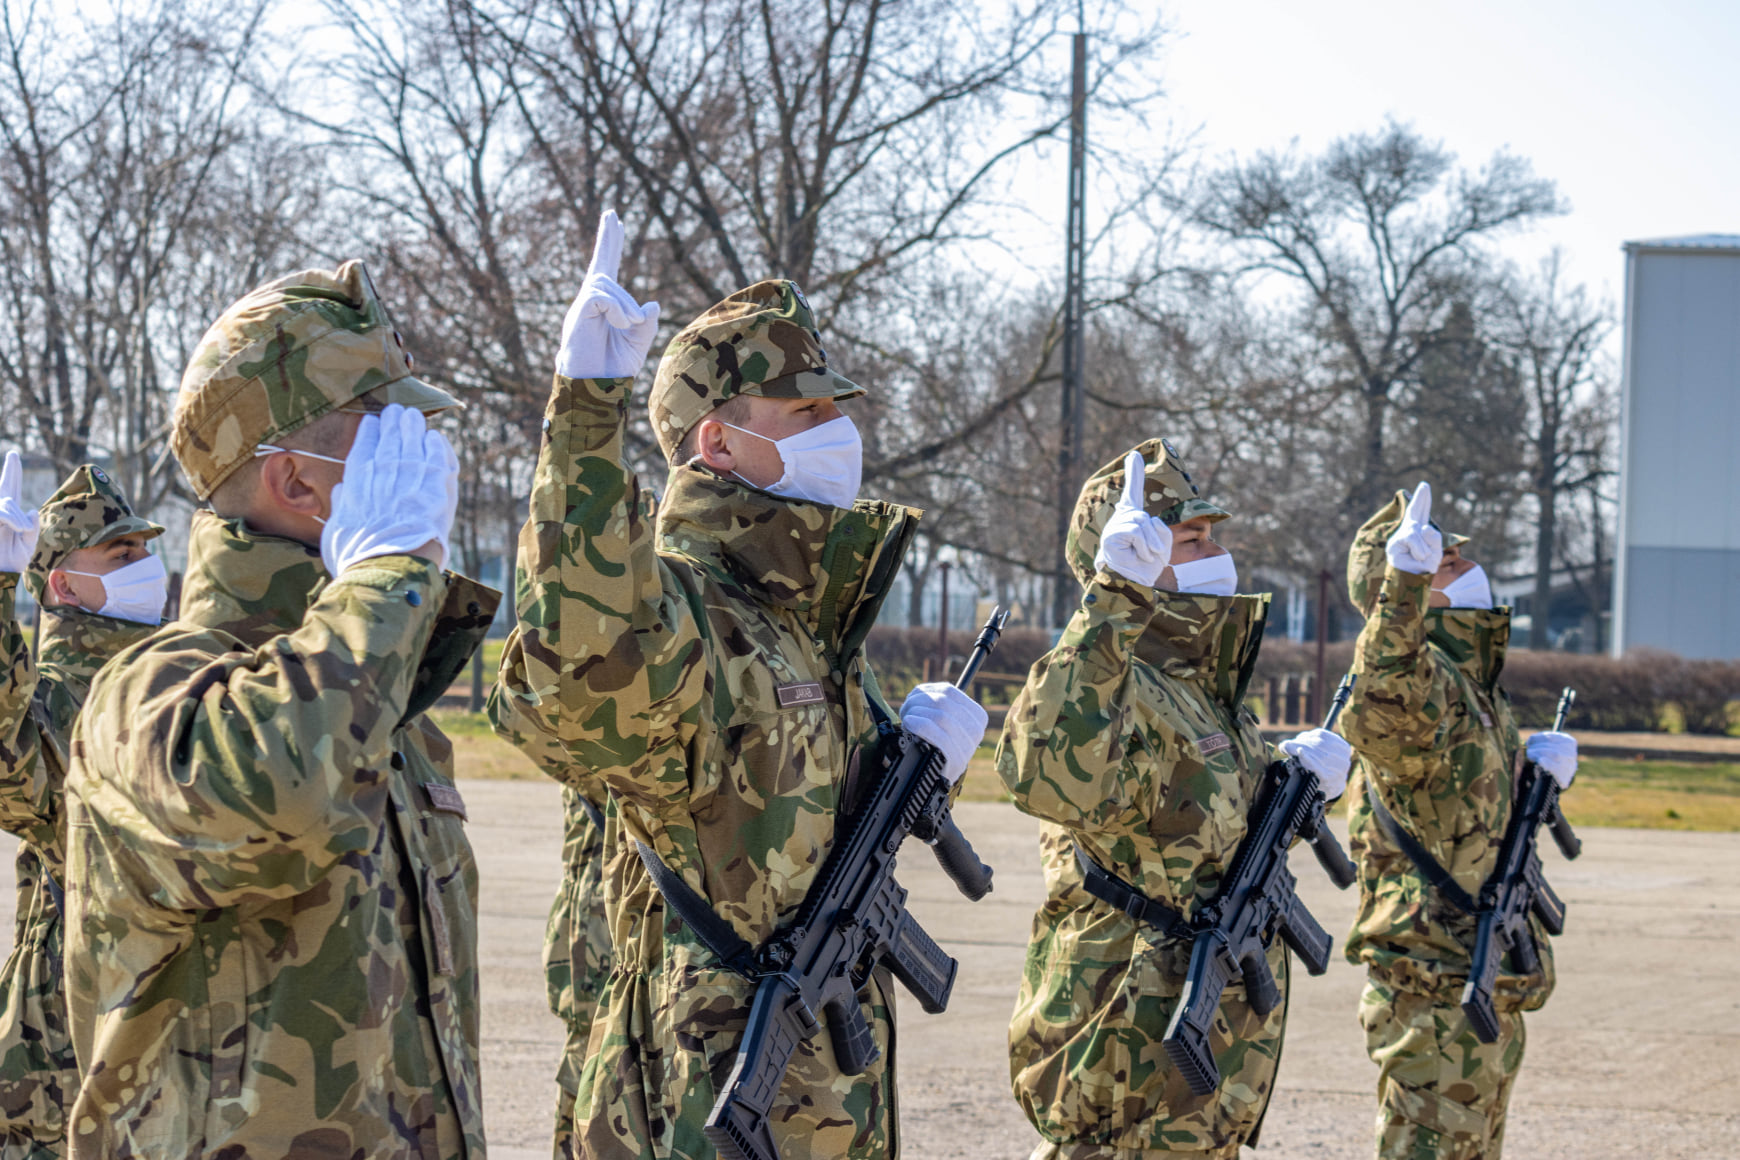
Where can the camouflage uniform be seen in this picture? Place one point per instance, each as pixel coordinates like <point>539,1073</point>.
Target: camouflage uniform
<point>713,674</point>
<point>577,953</point>
<point>38,704</point>
<point>1131,738</point>
<point>272,903</point>
<point>1434,736</point>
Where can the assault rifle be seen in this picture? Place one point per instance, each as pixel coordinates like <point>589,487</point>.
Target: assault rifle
<point>853,918</point>
<point>1258,901</point>
<point>1517,888</point>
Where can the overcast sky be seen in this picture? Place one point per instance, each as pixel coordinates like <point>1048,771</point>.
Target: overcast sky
<point>1632,108</point>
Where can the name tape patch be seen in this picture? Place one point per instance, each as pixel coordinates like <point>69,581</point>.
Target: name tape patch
<point>800,693</point>
<point>446,799</point>
<point>1214,743</point>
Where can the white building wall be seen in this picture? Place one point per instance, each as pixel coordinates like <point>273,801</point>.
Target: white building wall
<point>1677,582</point>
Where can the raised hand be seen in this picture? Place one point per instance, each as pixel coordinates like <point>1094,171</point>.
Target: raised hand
<point>19,525</point>
<point>606,334</point>
<point>1416,547</point>
<point>399,492</point>
<point>1134,544</point>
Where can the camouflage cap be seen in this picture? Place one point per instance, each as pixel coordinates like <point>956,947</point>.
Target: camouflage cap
<point>1168,493</point>
<point>759,341</point>
<point>284,355</point>
<point>1366,560</point>
<point>89,509</point>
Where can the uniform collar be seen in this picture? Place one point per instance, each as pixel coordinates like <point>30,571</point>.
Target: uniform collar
<point>75,643</point>
<point>832,566</point>
<point>250,585</point>
<point>1206,638</point>
<point>1473,639</point>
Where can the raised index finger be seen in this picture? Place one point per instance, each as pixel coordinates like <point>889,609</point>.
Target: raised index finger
<point>12,477</point>
<point>1420,504</point>
<point>1135,480</point>
<point>607,249</point>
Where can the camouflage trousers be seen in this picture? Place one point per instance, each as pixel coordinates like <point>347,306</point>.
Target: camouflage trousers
<point>38,1072</point>
<point>1442,1093</point>
<point>662,1047</point>
<point>577,959</point>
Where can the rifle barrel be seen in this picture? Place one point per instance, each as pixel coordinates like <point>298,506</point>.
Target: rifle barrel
<point>982,647</point>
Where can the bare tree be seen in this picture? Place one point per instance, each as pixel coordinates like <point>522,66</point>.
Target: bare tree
<point>130,147</point>
<point>1382,237</point>
<point>1555,335</point>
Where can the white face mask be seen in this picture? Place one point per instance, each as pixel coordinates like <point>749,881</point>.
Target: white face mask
<point>134,592</point>
<point>1210,576</point>
<point>1469,590</point>
<point>822,465</point>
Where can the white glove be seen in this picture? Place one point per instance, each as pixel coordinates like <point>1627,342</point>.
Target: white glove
<point>1417,546</point>
<point>606,334</point>
<point>400,490</point>
<point>946,717</point>
<point>1134,544</point>
<point>1327,755</point>
<point>1556,753</point>
<point>19,525</point>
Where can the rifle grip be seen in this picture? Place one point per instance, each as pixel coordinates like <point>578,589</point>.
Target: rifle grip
<point>1570,845</point>
<point>960,861</point>
<point>854,1042</point>
<point>1332,857</point>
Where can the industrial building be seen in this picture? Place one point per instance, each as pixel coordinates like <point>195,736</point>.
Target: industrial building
<point>1677,573</point>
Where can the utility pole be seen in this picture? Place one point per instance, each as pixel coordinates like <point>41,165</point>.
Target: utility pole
<point>1074,311</point>
<point>942,625</point>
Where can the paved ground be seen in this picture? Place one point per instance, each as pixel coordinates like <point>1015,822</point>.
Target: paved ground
<point>1638,1055</point>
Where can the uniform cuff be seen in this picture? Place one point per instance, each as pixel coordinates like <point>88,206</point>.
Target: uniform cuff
<point>418,579</point>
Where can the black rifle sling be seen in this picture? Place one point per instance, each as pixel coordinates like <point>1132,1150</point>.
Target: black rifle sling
<point>730,948</point>
<point>1109,888</point>
<point>593,813</point>
<point>1440,878</point>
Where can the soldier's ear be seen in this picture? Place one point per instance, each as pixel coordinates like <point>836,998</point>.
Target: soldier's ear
<point>60,591</point>
<point>713,445</point>
<point>287,483</point>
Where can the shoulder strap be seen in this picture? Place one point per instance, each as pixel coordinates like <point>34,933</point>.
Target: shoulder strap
<point>1440,878</point>
<point>730,948</point>
<point>1109,888</point>
<point>593,813</point>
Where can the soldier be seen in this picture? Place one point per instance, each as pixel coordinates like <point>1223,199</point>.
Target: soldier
<point>577,953</point>
<point>711,670</point>
<point>100,590</point>
<point>272,903</point>
<point>1437,749</point>
<point>1132,743</point>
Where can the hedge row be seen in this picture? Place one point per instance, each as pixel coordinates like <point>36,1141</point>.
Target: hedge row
<point>1643,691</point>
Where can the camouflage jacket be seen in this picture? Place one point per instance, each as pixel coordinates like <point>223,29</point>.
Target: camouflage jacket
<point>714,679</point>
<point>1433,732</point>
<point>1131,738</point>
<point>38,704</point>
<point>272,903</point>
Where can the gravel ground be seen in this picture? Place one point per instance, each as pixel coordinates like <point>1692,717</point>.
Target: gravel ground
<point>1638,1054</point>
